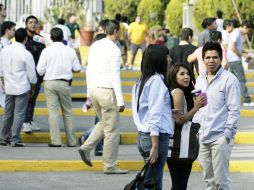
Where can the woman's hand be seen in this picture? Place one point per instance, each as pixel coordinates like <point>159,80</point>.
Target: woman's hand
<point>153,157</point>
<point>200,101</point>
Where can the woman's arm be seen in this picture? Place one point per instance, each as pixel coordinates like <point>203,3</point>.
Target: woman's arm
<point>178,99</point>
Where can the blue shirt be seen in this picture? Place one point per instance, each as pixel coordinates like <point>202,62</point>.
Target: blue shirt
<point>154,115</point>
<point>219,117</point>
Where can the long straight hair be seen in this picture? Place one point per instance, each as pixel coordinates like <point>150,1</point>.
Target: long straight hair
<point>154,60</point>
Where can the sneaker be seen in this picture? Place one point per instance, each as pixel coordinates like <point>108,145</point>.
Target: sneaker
<point>130,68</point>
<point>115,171</point>
<point>85,156</point>
<point>18,144</point>
<point>248,104</point>
<point>27,128</point>
<point>5,143</point>
<point>34,126</point>
<point>98,152</point>
<point>81,140</point>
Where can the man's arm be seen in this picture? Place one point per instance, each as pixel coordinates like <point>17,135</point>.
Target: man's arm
<point>234,49</point>
<point>115,77</point>
<point>233,103</point>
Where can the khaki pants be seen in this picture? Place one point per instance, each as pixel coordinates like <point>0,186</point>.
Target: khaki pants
<point>58,95</point>
<point>104,103</point>
<point>214,159</point>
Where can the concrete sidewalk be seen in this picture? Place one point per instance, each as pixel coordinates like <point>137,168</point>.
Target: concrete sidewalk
<point>39,157</point>
<point>98,181</point>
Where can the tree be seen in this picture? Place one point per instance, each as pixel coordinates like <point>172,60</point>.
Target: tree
<point>174,16</point>
<point>125,7</point>
<point>209,8</point>
<point>152,12</point>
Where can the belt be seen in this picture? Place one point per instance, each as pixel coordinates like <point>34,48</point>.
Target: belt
<point>104,87</point>
<point>65,80</point>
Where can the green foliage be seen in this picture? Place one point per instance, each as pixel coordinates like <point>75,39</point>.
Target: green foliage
<point>151,12</point>
<point>125,7</point>
<point>174,16</point>
<point>72,6</point>
<point>209,8</point>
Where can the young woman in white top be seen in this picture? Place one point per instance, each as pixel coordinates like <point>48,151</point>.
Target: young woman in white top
<point>179,79</point>
<point>151,106</point>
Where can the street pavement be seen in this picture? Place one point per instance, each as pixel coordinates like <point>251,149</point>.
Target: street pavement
<point>98,181</point>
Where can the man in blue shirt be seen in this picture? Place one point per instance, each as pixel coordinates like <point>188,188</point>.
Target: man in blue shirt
<point>218,119</point>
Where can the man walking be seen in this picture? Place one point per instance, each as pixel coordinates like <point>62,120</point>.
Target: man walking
<point>218,119</point>
<point>35,48</point>
<point>136,33</point>
<point>8,31</point>
<point>104,88</point>
<point>17,71</point>
<point>234,55</point>
<point>57,62</point>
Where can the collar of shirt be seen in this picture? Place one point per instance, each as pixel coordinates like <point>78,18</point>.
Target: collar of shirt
<point>204,74</point>
<point>182,42</point>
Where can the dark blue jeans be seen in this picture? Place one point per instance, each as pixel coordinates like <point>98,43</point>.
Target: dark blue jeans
<point>99,146</point>
<point>31,103</point>
<point>144,146</point>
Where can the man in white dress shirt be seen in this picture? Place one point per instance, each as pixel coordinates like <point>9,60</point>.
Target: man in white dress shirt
<point>56,63</point>
<point>17,71</point>
<point>65,29</point>
<point>104,88</point>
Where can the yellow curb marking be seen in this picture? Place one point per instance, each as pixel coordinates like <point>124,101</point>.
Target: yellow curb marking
<point>123,74</point>
<point>63,165</point>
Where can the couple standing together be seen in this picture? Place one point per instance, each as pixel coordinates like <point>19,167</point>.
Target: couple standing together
<point>156,94</point>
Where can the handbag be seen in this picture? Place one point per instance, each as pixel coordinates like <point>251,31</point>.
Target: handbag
<point>184,145</point>
<point>138,183</point>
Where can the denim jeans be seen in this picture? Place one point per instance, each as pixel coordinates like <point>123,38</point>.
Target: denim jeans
<point>236,68</point>
<point>144,146</point>
<point>99,146</point>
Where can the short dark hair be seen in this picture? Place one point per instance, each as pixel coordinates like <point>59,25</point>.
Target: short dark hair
<point>248,24</point>
<point>209,46</point>
<point>215,36</point>
<point>20,35</point>
<point>61,21</point>
<point>227,23</point>
<point>103,24</point>
<point>235,23</point>
<point>99,37</point>
<point>7,25</point>
<point>172,81</point>
<point>124,19</point>
<point>56,35</point>
<point>1,6</point>
<point>111,26</point>
<point>219,13</point>
<point>118,17</point>
<point>31,17</point>
<point>186,33</point>
<point>208,21</point>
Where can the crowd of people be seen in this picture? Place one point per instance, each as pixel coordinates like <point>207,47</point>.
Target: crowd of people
<point>168,100</point>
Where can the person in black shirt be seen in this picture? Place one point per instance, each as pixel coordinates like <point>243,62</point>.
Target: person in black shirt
<point>179,54</point>
<point>35,47</point>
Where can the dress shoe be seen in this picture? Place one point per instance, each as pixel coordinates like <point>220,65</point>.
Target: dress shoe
<point>71,145</point>
<point>54,145</point>
<point>115,171</point>
<point>98,152</point>
<point>18,144</point>
<point>85,156</point>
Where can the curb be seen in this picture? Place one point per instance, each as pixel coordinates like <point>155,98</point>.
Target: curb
<point>126,138</point>
<point>64,166</point>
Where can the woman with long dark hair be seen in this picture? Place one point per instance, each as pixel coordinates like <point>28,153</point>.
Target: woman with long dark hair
<point>179,80</point>
<point>151,105</point>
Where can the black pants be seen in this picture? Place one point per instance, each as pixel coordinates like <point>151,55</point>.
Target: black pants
<point>31,103</point>
<point>180,174</point>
